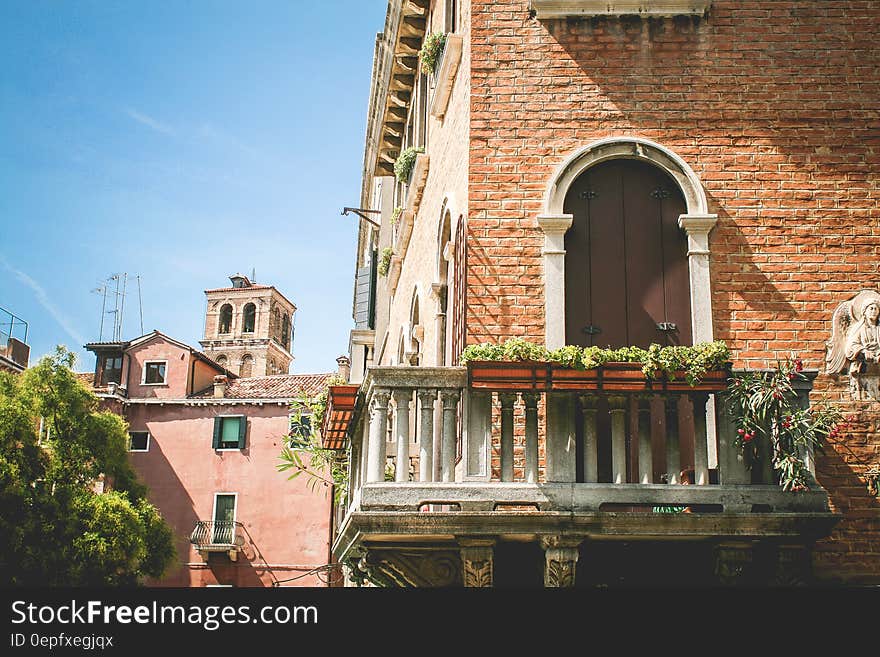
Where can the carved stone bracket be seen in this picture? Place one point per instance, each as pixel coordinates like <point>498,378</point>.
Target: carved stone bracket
<point>793,566</point>
<point>477,559</point>
<point>414,567</point>
<point>733,563</point>
<point>561,556</point>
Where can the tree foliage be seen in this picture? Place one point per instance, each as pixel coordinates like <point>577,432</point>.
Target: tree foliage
<point>55,529</point>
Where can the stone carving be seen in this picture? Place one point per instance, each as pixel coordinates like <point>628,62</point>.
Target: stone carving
<point>854,347</point>
<point>792,566</point>
<point>415,567</point>
<point>733,564</point>
<point>559,573</point>
<point>478,573</point>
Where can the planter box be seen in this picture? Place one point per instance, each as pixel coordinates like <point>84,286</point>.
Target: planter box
<point>531,376</point>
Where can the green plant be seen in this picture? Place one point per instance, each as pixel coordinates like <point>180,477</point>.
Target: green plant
<point>695,361</point>
<point>771,424</point>
<point>432,49</point>
<point>302,452</point>
<point>395,216</point>
<point>405,162</point>
<point>385,261</point>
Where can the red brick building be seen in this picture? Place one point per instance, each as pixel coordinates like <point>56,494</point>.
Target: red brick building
<point>610,173</point>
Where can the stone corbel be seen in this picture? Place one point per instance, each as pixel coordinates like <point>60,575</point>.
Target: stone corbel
<point>477,559</point>
<point>560,560</point>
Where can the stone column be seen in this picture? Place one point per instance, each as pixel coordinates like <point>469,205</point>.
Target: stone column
<point>646,460</point>
<point>447,450</point>
<point>698,227</point>
<point>507,399</point>
<point>426,434</point>
<point>618,439</point>
<point>402,399</point>
<point>591,441</point>
<point>477,561</point>
<point>701,455</point>
<point>560,560</point>
<point>554,227</point>
<point>530,399</point>
<point>378,427</point>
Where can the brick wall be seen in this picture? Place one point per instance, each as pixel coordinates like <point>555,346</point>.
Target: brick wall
<point>774,104</point>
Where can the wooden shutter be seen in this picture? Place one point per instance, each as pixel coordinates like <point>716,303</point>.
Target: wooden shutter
<point>242,431</point>
<point>218,424</point>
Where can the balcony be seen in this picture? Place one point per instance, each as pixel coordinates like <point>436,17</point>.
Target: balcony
<point>14,349</point>
<point>450,465</point>
<point>218,536</point>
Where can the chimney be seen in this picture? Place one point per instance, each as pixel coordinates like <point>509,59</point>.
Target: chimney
<point>344,370</point>
<point>220,386</point>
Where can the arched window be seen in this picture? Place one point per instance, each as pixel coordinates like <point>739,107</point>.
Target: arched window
<point>285,331</point>
<point>626,267</point>
<point>444,256</point>
<point>275,328</point>
<point>225,324</point>
<point>247,365</point>
<point>221,360</point>
<point>416,333</point>
<point>249,321</point>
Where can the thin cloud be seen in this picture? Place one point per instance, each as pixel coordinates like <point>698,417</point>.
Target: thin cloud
<point>150,122</point>
<point>44,300</point>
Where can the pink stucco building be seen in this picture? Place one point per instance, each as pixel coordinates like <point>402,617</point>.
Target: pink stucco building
<point>207,444</point>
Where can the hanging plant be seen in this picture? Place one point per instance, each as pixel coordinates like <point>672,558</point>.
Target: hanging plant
<point>395,216</point>
<point>385,261</point>
<point>765,409</point>
<point>405,162</point>
<point>432,50</point>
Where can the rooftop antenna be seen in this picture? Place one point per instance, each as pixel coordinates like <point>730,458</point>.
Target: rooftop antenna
<point>110,286</point>
<point>253,275</point>
<point>140,304</point>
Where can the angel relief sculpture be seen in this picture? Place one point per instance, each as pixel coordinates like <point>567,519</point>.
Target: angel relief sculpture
<point>854,347</point>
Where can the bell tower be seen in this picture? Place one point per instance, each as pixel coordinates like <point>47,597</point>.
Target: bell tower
<point>249,328</point>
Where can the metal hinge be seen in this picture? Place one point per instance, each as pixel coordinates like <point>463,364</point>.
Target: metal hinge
<point>591,330</point>
<point>666,327</point>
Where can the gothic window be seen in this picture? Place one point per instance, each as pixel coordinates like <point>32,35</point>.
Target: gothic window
<point>247,366</point>
<point>285,331</point>
<point>222,360</point>
<point>249,321</point>
<point>225,325</point>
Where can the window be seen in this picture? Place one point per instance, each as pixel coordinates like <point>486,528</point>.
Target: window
<point>224,519</point>
<point>229,432</point>
<point>225,325</point>
<point>250,318</point>
<point>138,441</point>
<point>154,372</point>
<point>111,370</point>
<point>247,366</point>
<point>285,331</point>
<point>451,15</point>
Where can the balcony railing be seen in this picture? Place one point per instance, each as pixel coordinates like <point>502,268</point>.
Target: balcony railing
<point>458,445</point>
<point>218,536</point>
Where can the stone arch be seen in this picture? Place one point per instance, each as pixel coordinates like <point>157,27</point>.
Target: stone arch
<point>249,318</point>
<point>633,148</point>
<point>224,323</point>
<point>247,366</point>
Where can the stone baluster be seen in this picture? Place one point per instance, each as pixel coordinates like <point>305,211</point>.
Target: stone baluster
<point>507,399</point>
<point>701,453</point>
<point>378,429</point>
<point>449,399</point>
<point>530,399</point>
<point>646,461</point>
<point>427,397</point>
<point>591,442</point>
<point>618,439</point>
<point>402,398</point>
<point>479,436</point>
<point>673,453</point>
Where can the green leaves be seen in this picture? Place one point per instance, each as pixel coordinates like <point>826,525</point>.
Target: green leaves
<point>405,162</point>
<point>767,414</point>
<point>432,48</point>
<point>695,361</point>
<point>385,261</point>
<point>54,529</point>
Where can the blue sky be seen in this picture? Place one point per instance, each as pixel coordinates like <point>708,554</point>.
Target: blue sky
<point>181,142</point>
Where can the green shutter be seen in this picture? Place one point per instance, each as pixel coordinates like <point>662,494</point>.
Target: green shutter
<point>217,425</point>
<point>242,431</point>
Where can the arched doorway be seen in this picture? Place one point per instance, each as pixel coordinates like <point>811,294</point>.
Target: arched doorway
<point>626,266</point>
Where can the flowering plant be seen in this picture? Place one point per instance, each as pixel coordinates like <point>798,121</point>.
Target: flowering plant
<point>766,411</point>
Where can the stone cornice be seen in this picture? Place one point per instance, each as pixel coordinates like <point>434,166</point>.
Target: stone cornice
<point>547,9</point>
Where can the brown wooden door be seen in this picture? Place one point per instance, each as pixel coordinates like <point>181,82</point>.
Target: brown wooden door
<point>626,270</point>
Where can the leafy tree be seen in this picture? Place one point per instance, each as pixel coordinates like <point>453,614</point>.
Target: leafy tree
<point>55,529</point>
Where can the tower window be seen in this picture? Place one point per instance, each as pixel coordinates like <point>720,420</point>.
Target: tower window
<point>225,319</point>
<point>250,318</point>
<point>247,366</point>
